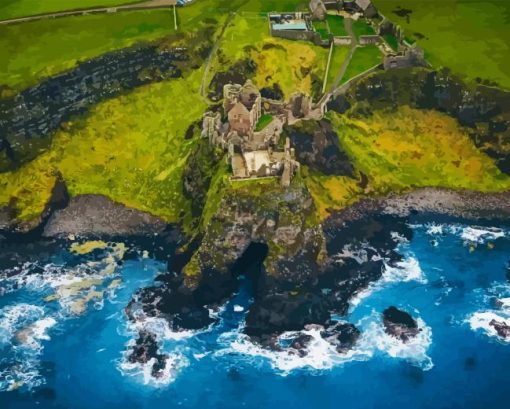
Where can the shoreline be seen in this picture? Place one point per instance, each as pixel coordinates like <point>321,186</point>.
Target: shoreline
<point>431,202</point>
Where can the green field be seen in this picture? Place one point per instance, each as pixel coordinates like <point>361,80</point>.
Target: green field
<point>131,149</point>
<point>362,28</point>
<point>402,150</point>
<point>337,60</point>
<point>291,64</point>
<point>31,51</point>
<point>322,28</point>
<point>391,40</point>
<point>470,37</point>
<point>264,121</point>
<point>363,59</point>
<point>22,8</point>
<point>336,25</point>
<point>35,50</point>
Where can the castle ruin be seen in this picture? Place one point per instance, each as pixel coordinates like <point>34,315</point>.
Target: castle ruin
<point>251,134</point>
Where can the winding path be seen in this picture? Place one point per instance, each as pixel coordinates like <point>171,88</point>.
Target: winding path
<point>149,4</point>
<point>212,53</point>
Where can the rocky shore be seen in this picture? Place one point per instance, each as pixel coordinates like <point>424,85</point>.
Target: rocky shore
<point>95,215</point>
<point>462,204</point>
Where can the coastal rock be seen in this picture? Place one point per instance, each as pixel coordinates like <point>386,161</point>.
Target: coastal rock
<point>95,215</point>
<point>9,223</point>
<point>317,146</point>
<point>502,328</point>
<point>343,335</point>
<point>400,324</point>
<point>145,350</point>
<point>277,313</point>
<point>301,343</point>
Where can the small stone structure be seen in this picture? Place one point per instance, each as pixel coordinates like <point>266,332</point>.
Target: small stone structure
<point>369,39</point>
<point>363,7</point>
<point>318,9</point>
<point>410,57</point>
<point>295,26</point>
<point>254,153</point>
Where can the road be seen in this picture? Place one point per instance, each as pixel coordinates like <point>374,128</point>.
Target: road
<point>149,4</point>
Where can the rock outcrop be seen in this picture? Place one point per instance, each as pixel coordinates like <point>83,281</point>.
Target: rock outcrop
<point>99,216</point>
<point>502,328</point>
<point>400,324</point>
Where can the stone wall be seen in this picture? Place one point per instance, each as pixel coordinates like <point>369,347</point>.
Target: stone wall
<point>369,39</point>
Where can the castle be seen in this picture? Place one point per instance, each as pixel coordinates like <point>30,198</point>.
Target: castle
<point>251,134</point>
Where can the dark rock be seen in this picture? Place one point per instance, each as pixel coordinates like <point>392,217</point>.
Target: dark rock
<point>95,215</point>
<point>284,312</point>
<point>145,349</point>
<point>238,73</point>
<point>501,327</point>
<point>317,146</point>
<point>300,344</point>
<point>400,324</point>
<point>343,335</point>
<point>275,92</point>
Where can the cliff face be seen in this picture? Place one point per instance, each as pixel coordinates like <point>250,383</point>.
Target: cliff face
<point>301,271</point>
<point>28,119</point>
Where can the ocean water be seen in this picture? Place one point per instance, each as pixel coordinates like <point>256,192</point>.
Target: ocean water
<point>63,337</point>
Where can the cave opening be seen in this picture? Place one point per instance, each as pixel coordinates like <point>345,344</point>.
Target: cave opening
<point>251,264</point>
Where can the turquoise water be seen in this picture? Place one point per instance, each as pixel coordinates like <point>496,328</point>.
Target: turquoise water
<point>73,356</point>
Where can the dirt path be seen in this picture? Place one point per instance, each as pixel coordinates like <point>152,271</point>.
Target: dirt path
<point>211,55</point>
<point>149,4</point>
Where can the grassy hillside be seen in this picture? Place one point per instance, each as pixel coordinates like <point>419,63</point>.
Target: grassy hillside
<point>363,59</point>
<point>402,150</point>
<point>31,51</point>
<point>131,149</point>
<point>470,37</point>
<point>22,8</point>
<point>291,64</point>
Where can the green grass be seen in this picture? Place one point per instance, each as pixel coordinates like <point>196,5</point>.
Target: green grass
<point>362,28</point>
<point>392,41</point>
<point>322,28</point>
<point>363,59</point>
<point>22,8</point>
<point>289,63</point>
<point>336,25</point>
<point>264,121</point>
<point>32,51</point>
<point>131,149</point>
<point>337,60</point>
<point>470,37</point>
<point>402,150</point>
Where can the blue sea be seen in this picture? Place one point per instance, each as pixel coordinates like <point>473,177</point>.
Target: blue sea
<point>64,336</point>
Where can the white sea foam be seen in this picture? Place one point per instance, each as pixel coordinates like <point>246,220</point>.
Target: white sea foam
<point>23,327</point>
<point>480,321</point>
<point>322,355</point>
<point>413,351</point>
<point>403,271</point>
<point>238,308</point>
<point>480,235</point>
<point>174,363</point>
